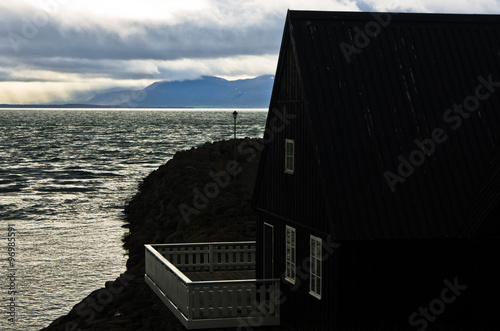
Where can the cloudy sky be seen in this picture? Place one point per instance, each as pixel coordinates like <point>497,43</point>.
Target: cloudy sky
<point>58,50</point>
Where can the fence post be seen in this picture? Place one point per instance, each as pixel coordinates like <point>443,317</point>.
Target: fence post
<point>189,302</point>
<point>210,257</point>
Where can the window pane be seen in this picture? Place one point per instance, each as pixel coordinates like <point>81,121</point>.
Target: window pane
<point>290,253</point>
<point>289,163</point>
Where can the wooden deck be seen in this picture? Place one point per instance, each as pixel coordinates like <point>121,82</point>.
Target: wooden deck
<point>212,285</point>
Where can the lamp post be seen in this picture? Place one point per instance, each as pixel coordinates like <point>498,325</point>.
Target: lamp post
<point>235,114</point>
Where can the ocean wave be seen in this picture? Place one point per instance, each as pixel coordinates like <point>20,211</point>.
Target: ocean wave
<point>110,174</point>
<point>5,207</point>
<point>76,174</point>
<point>80,166</point>
<point>73,182</point>
<point>15,214</point>
<point>54,160</point>
<point>13,178</point>
<point>12,188</point>
<point>65,189</point>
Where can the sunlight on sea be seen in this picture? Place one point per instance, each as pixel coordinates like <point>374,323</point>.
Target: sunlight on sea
<point>65,177</point>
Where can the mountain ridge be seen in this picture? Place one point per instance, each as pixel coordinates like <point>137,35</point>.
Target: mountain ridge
<point>204,92</point>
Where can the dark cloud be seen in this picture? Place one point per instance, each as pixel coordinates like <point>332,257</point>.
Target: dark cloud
<point>100,53</point>
<point>111,46</point>
<point>31,44</point>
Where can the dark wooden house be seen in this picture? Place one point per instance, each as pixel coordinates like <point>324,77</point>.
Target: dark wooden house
<point>379,184</point>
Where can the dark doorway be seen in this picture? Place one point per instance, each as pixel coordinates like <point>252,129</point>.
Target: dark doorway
<point>268,251</point>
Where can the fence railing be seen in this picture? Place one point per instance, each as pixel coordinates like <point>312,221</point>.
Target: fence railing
<point>210,256</point>
<point>234,299</point>
<point>168,279</point>
<point>204,304</point>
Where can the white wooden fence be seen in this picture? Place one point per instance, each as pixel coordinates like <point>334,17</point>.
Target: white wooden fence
<point>210,256</point>
<point>210,304</point>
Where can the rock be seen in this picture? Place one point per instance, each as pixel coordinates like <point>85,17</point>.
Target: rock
<point>153,216</point>
<point>175,237</point>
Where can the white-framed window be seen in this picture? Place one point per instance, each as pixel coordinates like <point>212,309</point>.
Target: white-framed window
<point>289,156</point>
<point>315,285</point>
<point>290,254</point>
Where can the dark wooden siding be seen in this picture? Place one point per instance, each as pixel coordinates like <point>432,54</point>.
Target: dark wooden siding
<point>485,213</point>
<point>385,282</point>
<point>299,308</point>
<point>296,197</point>
<point>368,111</point>
<point>352,122</point>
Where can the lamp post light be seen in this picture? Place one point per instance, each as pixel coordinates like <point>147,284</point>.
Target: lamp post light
<point>235,114</point>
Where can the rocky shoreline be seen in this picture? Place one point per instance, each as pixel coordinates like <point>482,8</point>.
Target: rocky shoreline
<point>192,198</point>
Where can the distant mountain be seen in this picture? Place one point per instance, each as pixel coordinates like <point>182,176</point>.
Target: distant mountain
<point>207,91</point>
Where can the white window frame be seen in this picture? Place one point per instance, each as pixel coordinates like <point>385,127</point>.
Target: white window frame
<point>289,158</point>
<point>290,249</point>
<point>315,249</point>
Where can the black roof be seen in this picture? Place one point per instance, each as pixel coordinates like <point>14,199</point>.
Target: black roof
<point>378,85</point>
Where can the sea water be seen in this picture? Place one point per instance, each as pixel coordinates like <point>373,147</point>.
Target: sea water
<point>65,177</point>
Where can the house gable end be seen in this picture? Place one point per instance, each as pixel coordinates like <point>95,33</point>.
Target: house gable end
<point>392,148</point>
<point>295,197</point>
